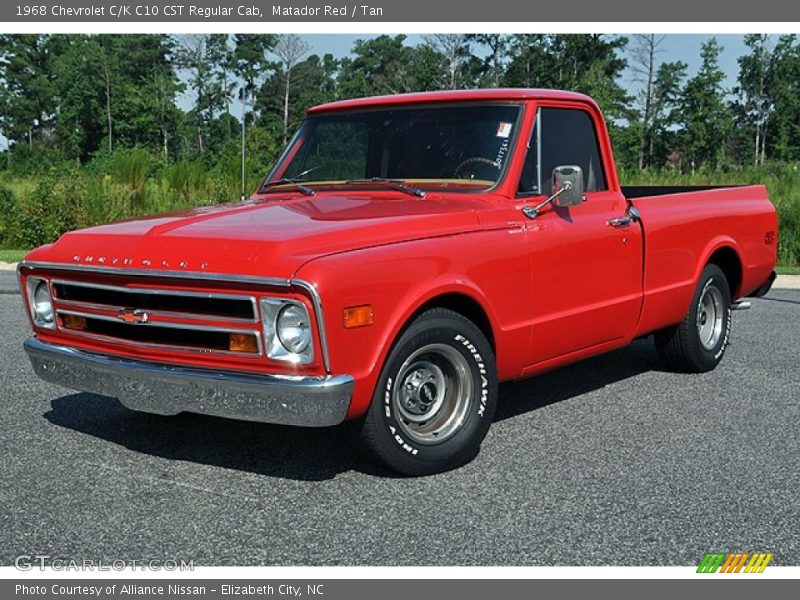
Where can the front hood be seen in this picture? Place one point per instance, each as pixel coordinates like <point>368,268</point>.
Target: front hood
<point>271,235</point>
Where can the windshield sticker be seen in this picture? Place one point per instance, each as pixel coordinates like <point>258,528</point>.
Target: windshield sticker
<point>504,130</point>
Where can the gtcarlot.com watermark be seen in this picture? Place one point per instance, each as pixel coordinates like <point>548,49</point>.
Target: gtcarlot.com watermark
<point>42,562</point>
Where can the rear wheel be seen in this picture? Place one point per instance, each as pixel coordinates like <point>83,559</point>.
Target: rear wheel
<point>435,398</point>
<point>698,343</point>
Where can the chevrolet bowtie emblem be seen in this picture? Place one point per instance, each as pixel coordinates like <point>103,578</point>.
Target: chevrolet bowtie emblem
<point>137,316</point>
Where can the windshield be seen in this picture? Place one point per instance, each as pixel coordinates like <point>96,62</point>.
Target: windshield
<point>462,147</point>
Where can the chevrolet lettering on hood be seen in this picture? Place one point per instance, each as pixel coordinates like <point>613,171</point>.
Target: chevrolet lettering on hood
<point>127,262</point>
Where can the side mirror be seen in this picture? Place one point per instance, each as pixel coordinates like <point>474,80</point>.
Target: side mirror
<point>567,185</point>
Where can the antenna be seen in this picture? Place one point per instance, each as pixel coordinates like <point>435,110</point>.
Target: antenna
<point>244,141</point>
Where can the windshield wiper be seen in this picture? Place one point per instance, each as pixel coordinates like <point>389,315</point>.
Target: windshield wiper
<point>295,181</point>
<point>397,184</point>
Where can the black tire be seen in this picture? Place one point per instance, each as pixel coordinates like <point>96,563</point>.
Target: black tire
<point>692,347</point>
<point>435,398</point>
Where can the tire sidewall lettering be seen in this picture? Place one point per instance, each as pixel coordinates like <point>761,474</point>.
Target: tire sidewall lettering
<point>726,336</point>
<point>473,351</point>
<point>459,341</point>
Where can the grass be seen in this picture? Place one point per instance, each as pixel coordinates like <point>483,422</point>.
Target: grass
<point>784,270</point>
<point>12,256</point>
<point>37,208</point>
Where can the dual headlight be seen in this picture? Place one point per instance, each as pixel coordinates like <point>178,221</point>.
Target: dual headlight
<point>41,303</point>
<point>287,330</point>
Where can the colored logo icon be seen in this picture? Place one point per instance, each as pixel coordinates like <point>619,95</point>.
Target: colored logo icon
<point>734,562</point>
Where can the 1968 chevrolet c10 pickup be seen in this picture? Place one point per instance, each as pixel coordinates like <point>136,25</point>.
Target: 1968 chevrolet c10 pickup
<point>405,254</point>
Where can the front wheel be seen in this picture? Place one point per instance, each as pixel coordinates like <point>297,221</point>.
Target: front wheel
<point>435,398</point>
<point>698,343</point>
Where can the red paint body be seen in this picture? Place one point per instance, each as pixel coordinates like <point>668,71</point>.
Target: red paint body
<point>553,290</point>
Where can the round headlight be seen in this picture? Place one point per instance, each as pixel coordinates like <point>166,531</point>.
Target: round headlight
<point>294,331</point>
<point>42,303</point>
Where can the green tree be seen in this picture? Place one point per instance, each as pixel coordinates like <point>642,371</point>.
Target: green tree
<point>196,58</point>
<point>491,68</point>
<point>250,62</point>
<point>84,115</point>
<point>28,96</point>
<point>455,56</point>
<point>755,103</point>
<point>113,90</point>
<point>290,50</point>
<point>783,128</point>
<point>221,57</point>
<point>706,118</point>
<point>381,65</point>
<point>665,111</point>
<point>588,63</point>
<point>317,84</point>
<point>644,64</point>
<point>529,61</point>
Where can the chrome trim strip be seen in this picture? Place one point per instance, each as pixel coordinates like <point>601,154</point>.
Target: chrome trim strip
<point>152,346</point>
<point>163,325</point>
<point>310,401</point>
<point>538,125</point>
<point>160,292</point>
<point>271,307</point>
<point>31,303</point>
<point>254,279</point>
<point>315,298</point>
<point>160,313</point>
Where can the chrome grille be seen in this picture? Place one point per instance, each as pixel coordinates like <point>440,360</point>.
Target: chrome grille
<point>158,301</point>
<point>160,318</point>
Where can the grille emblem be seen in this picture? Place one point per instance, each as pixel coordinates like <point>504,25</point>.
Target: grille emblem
<point>133,317</point>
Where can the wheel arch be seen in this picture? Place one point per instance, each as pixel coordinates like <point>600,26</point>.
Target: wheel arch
<point>728,259</point>
<point>460,297</point>
<point>462,303</point>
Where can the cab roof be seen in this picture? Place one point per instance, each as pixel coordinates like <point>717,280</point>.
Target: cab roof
<point>495,94</point>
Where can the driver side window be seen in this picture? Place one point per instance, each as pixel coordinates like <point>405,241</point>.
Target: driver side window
<point>562,136</point>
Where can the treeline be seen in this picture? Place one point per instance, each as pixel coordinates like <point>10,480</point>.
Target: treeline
<point>104,115</point>
<point>68,97</point>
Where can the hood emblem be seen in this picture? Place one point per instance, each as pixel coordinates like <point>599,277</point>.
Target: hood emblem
<point>145,262</point>
<point>133,317</point>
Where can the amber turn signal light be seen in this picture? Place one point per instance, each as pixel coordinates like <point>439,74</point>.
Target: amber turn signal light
<point>242,342</point>
<point>358,316</point>
<point>74,322</point>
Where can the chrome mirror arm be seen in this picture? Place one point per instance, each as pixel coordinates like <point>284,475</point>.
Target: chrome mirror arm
<point>533,211</point>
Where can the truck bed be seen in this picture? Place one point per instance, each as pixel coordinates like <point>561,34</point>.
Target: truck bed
<point>632,192</point>
<point>684,227</point>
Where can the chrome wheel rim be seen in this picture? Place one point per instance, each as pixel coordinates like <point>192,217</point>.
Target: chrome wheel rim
<point>433,393</point>
<point>710,316</point>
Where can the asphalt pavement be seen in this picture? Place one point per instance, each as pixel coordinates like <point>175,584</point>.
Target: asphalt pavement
<point>610,461</point>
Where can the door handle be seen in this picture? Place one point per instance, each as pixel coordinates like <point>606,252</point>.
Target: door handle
<point>631,215</point>
<point>620,221</point>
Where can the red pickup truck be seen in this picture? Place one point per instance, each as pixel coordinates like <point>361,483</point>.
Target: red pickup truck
<point>405,254</point>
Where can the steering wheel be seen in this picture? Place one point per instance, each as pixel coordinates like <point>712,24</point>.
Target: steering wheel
<point>461,173</point>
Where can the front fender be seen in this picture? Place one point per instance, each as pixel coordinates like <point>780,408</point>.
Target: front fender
<point>398,279</point>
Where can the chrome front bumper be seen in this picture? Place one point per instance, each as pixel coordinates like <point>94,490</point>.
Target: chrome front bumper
<point>169,390</point>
